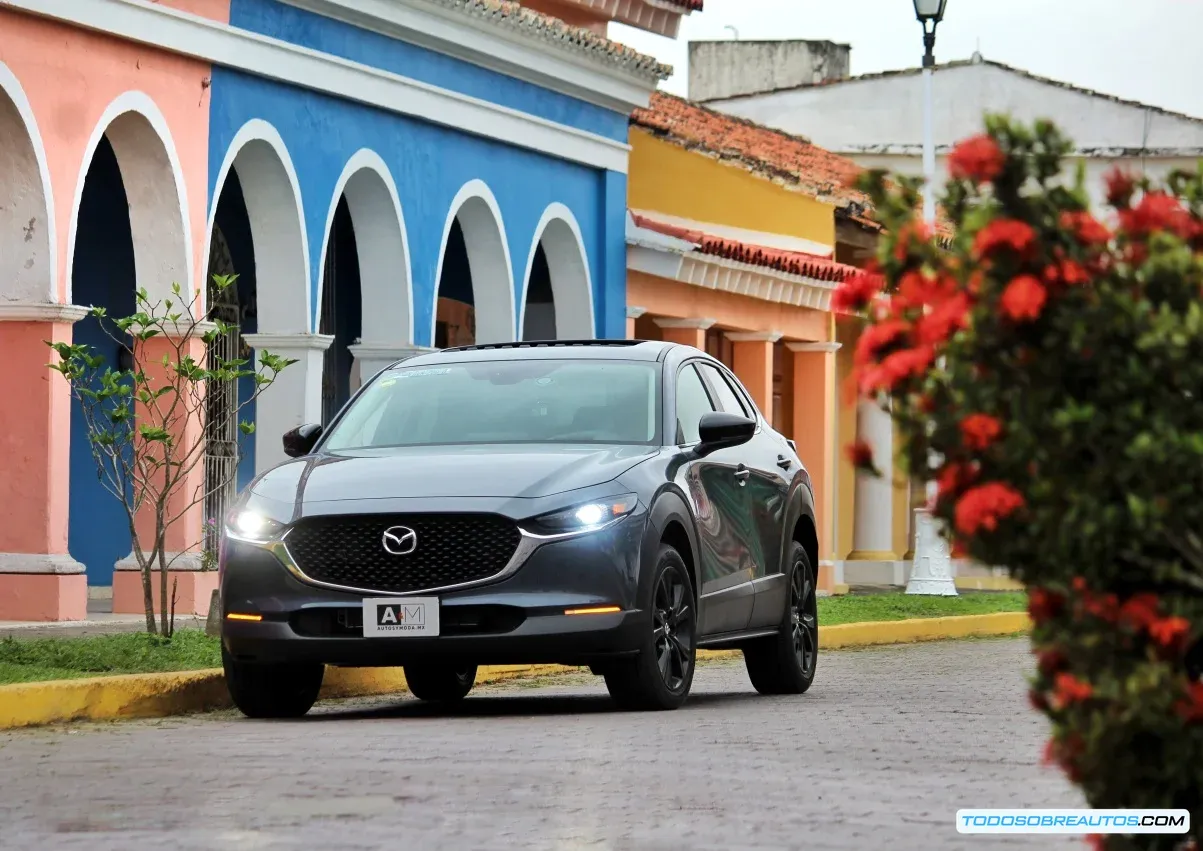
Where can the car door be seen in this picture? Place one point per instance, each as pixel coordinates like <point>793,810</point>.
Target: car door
<point>767,492</point>
<point>725,528</point>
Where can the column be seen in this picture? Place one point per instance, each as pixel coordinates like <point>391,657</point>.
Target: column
<point>873,527</point>
<point>689,332</point>
<point>39,581</point>
<point>633,313</point>
<point>754,366</point>
<point>816,401</point>
<point>189,587</point>
<point>295,398</point>
<point>371,358</point>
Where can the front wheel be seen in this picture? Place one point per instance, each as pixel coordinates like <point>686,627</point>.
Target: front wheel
<point>785,663</point>
<point>440,683</point>
<point>272,690</point>
<point>661,675</point>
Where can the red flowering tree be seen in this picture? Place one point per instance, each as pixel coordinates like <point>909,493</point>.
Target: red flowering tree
<point>1045,367</point>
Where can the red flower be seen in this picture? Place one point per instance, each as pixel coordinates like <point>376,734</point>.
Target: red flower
<point>1088,230</point>
<point>1004,233</point>
<point>1044,605</point>
<point>1140,612</point>
<point>914,230</point>
<point>1190,708</point>
<point>1103,606</point>
<point>982,507</point>
<point>861,455</point>
<point>1050,662</point>
<point>906,363</point>
<point>1120,188</point>
<point>953,478</point>
<point>878,337</point>
<point>948,317</point>
<point>1157,211</point>
<point>1069,690</point>
<point>980,430</point>
<point>855,293</point>
<point>1079,584</point>
<point>1068,272</point>
<point>1038,701</point>
<point>1024,298</point>
<point>1170,633</point>
<point>1097,841</point>
<point>979,159</point>
<point>926,404</point>
<point>916,289</point>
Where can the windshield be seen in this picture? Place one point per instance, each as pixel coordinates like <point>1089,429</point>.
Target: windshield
<point>525,401</point>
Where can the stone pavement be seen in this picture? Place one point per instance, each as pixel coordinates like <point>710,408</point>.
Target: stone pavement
<point>101,621</point>
<point>885,748</point>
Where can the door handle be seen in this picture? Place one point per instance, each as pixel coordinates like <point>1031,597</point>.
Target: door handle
<point>784,463</point>
<point>742,474</point>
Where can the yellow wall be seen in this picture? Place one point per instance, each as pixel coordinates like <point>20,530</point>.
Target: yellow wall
<point>670,179</point>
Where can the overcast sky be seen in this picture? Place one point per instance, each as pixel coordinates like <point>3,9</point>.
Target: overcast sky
<point>1146,50</point>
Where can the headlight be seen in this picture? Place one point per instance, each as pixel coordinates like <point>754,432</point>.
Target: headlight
<point>252,526</point>
<point>587,517</point>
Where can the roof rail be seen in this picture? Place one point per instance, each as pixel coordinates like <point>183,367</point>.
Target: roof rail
<point>534,344</point>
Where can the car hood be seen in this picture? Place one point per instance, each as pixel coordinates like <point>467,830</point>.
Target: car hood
<point>451,471</point>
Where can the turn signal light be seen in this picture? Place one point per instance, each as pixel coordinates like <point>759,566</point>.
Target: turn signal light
<point>594,610</point>
<point>237,617</point>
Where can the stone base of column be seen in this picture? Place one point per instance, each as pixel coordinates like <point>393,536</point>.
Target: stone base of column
<point>932,573</point>
<point>893,572</point>
<point>830,580</point>
<point>192,588</point>
<point>42,587</point>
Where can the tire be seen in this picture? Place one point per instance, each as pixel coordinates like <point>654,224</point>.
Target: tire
<point>786,662</point>
<point>660,676</point>
<point>264,690</point>
<point>440,683</point>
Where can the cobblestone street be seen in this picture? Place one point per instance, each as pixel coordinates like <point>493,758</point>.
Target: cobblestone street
<point>884,749</point>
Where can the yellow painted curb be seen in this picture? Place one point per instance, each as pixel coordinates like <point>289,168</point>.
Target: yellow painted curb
<point>162,695</point>
<point>988,583</point>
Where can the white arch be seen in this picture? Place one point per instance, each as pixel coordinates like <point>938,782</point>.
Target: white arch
<point>29,253</point>
<point>488,259</point>
<point>272,194</point>
<point>381,244</point>
<point>568,262</point>
<point>158,207</point>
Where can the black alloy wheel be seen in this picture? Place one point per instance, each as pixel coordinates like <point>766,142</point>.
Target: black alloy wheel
<point>440,683</point>
<point>661,675</point>
<point>786,662</point>
<point>272,690</point>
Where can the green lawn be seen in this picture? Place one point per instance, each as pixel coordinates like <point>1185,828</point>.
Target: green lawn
<point>190,650</point>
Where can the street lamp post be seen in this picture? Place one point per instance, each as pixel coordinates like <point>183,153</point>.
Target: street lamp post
<point>931,570</point>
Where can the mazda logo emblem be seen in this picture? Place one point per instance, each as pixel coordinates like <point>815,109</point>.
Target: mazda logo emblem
<point>400,540</point>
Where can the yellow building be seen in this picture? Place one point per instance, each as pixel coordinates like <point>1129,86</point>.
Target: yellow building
<point>737,237</point>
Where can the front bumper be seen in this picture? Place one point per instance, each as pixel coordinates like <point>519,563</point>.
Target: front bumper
<point>518,620</point>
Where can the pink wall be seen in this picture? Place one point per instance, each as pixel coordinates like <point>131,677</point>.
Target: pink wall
<point>71,76</point>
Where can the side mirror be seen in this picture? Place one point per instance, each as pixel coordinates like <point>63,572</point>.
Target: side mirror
<point>301,440</point>
<point>722,431</point>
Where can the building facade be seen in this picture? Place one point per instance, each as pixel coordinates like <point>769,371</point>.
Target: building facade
<point>738,237</point>
<point>382,178</point>
<point>876,119</point>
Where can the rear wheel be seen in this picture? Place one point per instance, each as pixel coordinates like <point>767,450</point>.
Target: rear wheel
<point>270,690</point>
<point>440,683</point>
<point>661,675</point>
<point>786,662</point>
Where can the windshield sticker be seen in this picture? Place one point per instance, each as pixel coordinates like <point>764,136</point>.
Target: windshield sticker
<point>545,381</point>
<point>416,372</point>
<point>388,382</point>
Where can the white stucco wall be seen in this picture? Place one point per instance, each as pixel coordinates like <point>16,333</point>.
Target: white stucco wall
<point>877,120</point>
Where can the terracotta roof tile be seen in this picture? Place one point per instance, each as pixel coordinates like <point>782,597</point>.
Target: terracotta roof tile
<point>691,5</point>
<point>552,29</point>
<point>789,160</point>
<point>792,262</point>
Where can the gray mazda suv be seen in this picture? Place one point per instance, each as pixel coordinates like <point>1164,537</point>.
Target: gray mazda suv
<point>611,504</point>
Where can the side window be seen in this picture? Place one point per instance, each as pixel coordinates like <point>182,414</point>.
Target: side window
<point>728,399</point>
<point>692,403</point>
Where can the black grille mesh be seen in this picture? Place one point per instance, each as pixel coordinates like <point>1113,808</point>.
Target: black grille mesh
<point>452,549</point>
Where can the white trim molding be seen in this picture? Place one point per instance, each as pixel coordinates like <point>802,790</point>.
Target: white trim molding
<point>11,87</point>
<point>480,220</point>
<point>289,342</point>
<point>754,336</point>
<point>272,195</point>
<point>568,265</point>
<point>698,324</point>
<point>825,348</point>
<point>384,351</point>
<point>54,563</point>
<point>27,311</point>
<point>161,225</point>
<point>505,50</point>
<point>220,44</point>
<point>381,243</point>
<point>634,312</point>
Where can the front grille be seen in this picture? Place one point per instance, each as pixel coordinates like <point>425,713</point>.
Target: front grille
<point>451,549</point>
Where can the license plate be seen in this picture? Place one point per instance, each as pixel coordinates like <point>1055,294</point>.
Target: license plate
<point>400,617</point>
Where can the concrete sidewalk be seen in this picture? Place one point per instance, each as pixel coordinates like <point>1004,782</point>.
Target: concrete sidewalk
<point>101,621</point>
